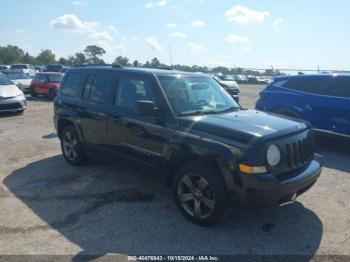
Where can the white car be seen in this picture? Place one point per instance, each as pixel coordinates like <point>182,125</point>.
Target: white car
<point>24,68</point>
<point>21,80</point>
<point>12,98</point>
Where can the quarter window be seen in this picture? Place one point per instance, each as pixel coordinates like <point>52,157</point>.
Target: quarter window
<point>338,86</point>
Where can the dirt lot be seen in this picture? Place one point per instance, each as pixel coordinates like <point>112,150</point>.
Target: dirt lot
<point>49,207</point>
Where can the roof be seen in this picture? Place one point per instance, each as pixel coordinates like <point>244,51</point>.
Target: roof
<point>49,73</point>
<point>150,71</point>
<point>311,76</point>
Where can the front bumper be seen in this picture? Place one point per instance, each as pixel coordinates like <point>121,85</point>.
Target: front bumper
<point>268,190</point>
<point>13,104</point>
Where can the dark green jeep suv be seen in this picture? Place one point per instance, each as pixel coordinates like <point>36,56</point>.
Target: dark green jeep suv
<point>185,129</point>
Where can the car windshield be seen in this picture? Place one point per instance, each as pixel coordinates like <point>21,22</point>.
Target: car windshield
<point>18,76</point>
<point>55,78</point>
<point>197,96</point>
<point>4,80</point>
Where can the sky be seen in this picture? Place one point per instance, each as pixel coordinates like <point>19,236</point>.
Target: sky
<point>252,33</point>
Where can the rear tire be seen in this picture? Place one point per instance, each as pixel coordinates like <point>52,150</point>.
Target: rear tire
<point>52,93</point>
<point>200,193</point>
<point>71,146</point>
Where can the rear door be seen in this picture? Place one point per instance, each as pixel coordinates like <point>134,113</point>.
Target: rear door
<point>337,104</point>
<point>93,115</point>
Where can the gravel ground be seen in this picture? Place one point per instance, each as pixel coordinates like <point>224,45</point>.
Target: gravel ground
<point>50,208</point>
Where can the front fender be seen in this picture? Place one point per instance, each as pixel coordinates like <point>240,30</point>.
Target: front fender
<point>186,147</point>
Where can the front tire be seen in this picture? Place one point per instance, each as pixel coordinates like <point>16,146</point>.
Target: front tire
<point>71,146</point>
<point>200,193</point>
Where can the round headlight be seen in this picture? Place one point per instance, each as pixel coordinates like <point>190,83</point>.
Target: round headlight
<point>273,155</point>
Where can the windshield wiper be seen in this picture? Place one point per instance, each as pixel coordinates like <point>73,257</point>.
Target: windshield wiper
<point>199,112</point>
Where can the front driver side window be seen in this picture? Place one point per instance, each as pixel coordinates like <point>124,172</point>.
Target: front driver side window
<point>130,90</point>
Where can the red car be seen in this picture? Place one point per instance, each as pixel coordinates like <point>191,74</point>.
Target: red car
<point>46,84</point>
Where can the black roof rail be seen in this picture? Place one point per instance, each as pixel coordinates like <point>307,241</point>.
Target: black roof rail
<point>111,65</point>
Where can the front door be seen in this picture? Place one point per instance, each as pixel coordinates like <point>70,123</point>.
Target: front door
<point>138,140</point>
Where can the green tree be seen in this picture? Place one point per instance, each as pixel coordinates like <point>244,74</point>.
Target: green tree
<point>46,57</point>
<point>80,59</point>
<point>28,59</point>
<point>94,54</point>
<point>122,60</point>
<point>155,63</point>
<point>11,55</point>
<point>136,63</point>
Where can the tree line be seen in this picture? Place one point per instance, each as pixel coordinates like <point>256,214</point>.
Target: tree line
<point>92,54</point>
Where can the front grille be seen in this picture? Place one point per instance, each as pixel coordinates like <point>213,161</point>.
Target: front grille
<point>10,106</point>
<point>299,152</point>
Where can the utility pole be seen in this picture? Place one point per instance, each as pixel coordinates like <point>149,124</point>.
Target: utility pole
<point>170,55</point>
<point>318,68</point>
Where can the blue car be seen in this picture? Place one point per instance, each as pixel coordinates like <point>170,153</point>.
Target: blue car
<point>323,100</point>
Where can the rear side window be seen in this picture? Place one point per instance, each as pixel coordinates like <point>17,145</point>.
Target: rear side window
<point>73,84</point>
<point>307,84</point>
<point>130,90</point>
<point>338,86</point>
<point>101,88</point>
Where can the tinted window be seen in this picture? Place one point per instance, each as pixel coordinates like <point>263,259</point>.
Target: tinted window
<point>101,88</point>
<point>4,80</point>
<point>307,84</point>
<point>55,78</point>
<point>131,90</point>
<point>42,78</point>
<point>18,67</point>
<point>338,86</point>
<point>73,84</point>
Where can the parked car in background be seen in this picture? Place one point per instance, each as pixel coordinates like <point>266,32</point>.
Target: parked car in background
<point>264,80</point>
<point>323,100</point>
<point>252,80</point>
<point>241,79</point>
<point>22,80</point>
<point>39,69</point>
<point>12,98</point>
<point>54,68</point>
<point>186,130</point>
<point>46,84</point>
<point>230,87</point>
<point>24,68</point>
<point>3,68</point>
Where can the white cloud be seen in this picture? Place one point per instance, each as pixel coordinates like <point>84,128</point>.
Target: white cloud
<point>198,23</point>
<point>80,2</point>
<point>154,44</point>
<point>73,23</point>
<point>156,4</point>
<point>243,15</point>
<point>178,34</point>
<point>237,39</point>
<point>171,25</point>
<point>276,24</point>
<point>104,35</point>
<point>195,47</point>
<point>112,29</point>
<point>70,22</point>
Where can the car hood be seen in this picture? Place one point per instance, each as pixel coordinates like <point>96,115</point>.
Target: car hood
<point>9,91</point>
<point>244,126</point>
<point>24,82</point>
<point>54,84</point>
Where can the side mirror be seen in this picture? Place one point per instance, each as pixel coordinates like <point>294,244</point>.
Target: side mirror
<point>145,108</point>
